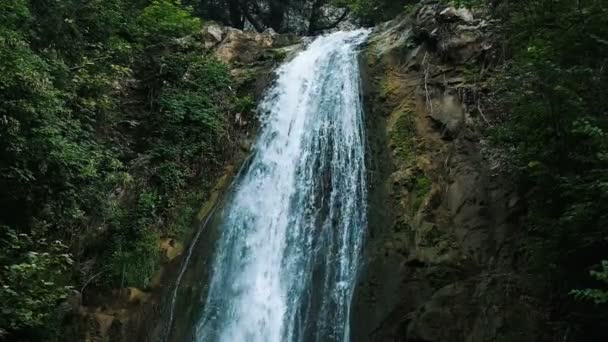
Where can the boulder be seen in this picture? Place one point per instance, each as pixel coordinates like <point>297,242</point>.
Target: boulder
<point>171,248</point>
<point>448,112</point>
<point>451,14</point>
<point>246,47</point>
<point>212,35</point>
<point>455,32</point>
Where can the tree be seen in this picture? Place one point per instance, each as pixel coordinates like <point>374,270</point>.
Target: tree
<point>556,137</point>
<point>106,122</point>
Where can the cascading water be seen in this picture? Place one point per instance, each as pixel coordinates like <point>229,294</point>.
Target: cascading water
<point>286,264</point>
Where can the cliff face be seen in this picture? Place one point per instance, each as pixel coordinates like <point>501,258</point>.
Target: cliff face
<point>443,252</point>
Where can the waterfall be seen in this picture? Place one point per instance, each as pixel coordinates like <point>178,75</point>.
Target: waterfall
<point>286,263</point>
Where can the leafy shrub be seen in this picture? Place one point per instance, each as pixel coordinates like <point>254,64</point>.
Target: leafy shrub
<point>244,104</point>
<point>103,122</point>
<point>555,135</point>
<point>422,186</point>
<point>374,11</point>
<point>134,252</point>
<point>164,19</point>
<point>133,262</point>
<point>192,122</point>
<point>33,281</point>
<point>597,296</point>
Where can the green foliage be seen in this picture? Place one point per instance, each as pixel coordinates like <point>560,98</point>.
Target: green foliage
<point>402,136</point>
<point>191,123</point>
<point>466,3</point>
<point>556,136</point>
<point>184,213</point>
<point>134,262</point>
<point>422,186</point>
<point>245,104</point>
<point>33,279</point>
<point>597,296</point>
<point>14,14</point>
<point>374,11</point>
<point>278,55</point>
<point>45,149</point>
<point>165,19</point>
<point>183,220</point>
<point>104,120</point>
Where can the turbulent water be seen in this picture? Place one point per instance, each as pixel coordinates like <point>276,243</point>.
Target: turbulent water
<point>286,264</point>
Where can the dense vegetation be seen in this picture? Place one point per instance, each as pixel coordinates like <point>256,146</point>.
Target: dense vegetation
<point>553,93</point>
<point>108,116</point>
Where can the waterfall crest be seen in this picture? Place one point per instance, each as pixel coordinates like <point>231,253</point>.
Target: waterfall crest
<point>286,264</point>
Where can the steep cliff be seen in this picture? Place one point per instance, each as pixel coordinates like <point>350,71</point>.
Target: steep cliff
<point>443,251</point>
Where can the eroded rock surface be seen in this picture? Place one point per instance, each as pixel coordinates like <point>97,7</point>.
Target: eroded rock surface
<point>444,239</point>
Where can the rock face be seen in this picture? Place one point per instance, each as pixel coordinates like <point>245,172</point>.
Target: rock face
<point>249,53</point>
<point>444,238</point>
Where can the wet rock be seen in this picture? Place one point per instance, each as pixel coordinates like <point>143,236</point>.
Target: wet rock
<point>212,35</point>
<point>447,111</point>
<point>171,248</point>
<point>135,296</point>
<point>456,33</point>
<point>246,47</point>
<point>453,14</point>
<point>270,31</point>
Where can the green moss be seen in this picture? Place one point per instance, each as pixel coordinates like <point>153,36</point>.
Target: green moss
<point>389,85</point>
<point>384,86</point>
<point>245,104</point>
<point>421,187</point>
<point>278,55</point>
<point>402,137</point>
<point>184,216</point>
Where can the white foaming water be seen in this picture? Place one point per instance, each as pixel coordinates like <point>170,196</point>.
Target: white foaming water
<point>286,265</point>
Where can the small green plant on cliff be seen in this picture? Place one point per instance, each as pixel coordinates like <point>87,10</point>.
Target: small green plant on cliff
<point>134,252</point>
<point>374,11</point>
<point>421,188</point>
<point>167,19</point>
<point>245,104</point>
<point>402,137</point>
<point>33,280</point>
<point>597,296</point>
<point>466,3</point>
<point>278,55</point>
